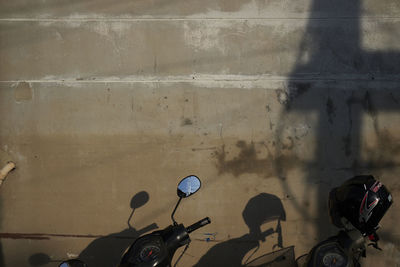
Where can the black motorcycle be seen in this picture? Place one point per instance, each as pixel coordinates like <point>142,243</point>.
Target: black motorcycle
<point>356,207</point>
<point>158,248</point>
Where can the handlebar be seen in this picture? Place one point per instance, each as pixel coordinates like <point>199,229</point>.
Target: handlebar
<point>197,225</point>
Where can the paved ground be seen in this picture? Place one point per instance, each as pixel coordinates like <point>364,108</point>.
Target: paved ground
<point>270,103</point>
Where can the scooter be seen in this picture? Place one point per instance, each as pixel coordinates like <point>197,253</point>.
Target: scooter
<point>158,248</point>
<point>357,207</point>
<point>342,250</point>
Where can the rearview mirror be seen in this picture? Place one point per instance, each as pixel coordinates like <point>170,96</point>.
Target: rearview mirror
<point>188,186</point>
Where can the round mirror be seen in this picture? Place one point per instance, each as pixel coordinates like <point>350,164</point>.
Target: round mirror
<point>73,263</point>
<point>188,186</point>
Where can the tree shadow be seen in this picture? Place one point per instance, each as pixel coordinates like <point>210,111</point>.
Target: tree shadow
<point>345,85</point>
<point>260,209</point>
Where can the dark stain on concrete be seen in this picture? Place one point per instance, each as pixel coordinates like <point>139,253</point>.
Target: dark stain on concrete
<point>23,92</point>
<point>194,149</point>
<point>155,65</point>
<point>108,95</point>
<point>289,144</point>
<point>378,157</point>
<point>245,162</point>
<point>358,63</point>
<point>368,105</point>
<point>347,144</point>
<point>296,90</point>
<point>381,156</point>
<point>248,162</point>
<point>301,88</point>
<point>187,122</point>
<point>395,100</point>
<point>271,125</point>
<point>330,110</point>
<point>347,140</point>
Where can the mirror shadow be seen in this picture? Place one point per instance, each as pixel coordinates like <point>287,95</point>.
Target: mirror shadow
<point>261,209</point>
<point>39,259</point>
<point>107,251</point>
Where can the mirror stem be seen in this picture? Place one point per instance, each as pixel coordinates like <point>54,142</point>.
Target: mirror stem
<point>173,213</point>
<point>129,219</point>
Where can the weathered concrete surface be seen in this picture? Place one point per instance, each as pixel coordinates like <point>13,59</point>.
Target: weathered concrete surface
<point>177,9</point>
<point>277,99</point>
<point>199,49</point>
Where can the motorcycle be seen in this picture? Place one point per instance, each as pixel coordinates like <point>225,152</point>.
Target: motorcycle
<point>357,207</point>
<point>341,250</point>
<point>158,248</point>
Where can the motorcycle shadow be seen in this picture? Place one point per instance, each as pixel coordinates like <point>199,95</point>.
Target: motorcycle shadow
<point>107,251</point>
<point>260,209</point>
<point>281,258</point>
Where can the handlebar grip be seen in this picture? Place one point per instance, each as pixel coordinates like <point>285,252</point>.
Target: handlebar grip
<point>199,224</point>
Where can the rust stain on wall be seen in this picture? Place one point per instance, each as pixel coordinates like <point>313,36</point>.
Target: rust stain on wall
<point>249,162</point>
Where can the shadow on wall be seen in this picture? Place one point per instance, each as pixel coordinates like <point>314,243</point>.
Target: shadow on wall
<point>336,89</point>
<point>107,251</point>
<point>260,209</point>
<point>340,82</point>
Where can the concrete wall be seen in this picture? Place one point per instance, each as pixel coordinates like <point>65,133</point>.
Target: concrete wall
<point>270,103</point>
